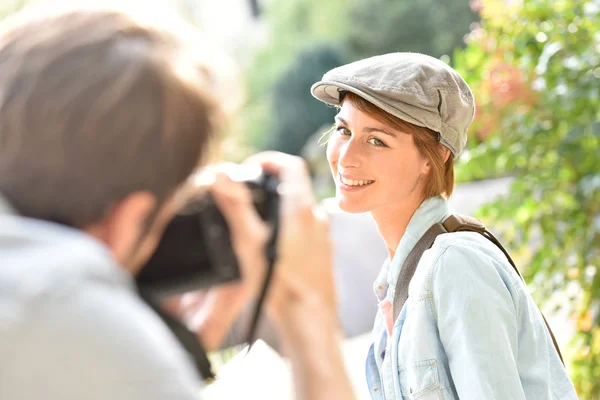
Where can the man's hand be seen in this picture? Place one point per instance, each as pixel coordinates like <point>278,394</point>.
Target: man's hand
<point>212,313</point>
<point>302,299</point>
<point>304,256</point>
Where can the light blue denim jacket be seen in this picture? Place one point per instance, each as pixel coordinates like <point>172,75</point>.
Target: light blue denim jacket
<point>469,329</point>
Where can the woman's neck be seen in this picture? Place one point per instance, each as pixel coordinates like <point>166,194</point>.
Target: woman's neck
<point>392,221</point>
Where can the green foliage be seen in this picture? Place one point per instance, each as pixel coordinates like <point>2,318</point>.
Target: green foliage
<point>356,29</point>
<point>535,71</point>
<point>294,25</point>
<point>297,116</point>
<point>434,27</point>
<point>8,7</point>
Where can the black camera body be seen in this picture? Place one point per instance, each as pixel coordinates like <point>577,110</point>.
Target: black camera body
<point>195,251</point>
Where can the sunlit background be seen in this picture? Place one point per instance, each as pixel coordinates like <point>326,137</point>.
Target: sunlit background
<point>532,167</point>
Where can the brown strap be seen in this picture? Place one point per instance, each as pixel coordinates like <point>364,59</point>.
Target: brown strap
<point>410,266</point>
<point>455,223</point>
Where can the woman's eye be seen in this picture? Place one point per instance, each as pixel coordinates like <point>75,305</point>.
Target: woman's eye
<point>377,142</point>
<point>343,131</point>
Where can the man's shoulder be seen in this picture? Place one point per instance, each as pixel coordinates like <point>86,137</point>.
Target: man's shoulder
<point>85,326</point>
<point>41,276</point>
<point>96,315</point>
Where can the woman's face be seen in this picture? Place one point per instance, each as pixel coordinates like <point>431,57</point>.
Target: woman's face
<point>374,165</point>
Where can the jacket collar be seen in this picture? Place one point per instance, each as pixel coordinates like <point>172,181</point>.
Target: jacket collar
<point>433,210</point>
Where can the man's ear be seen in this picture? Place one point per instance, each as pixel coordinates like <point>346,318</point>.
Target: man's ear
<point>124,224</point>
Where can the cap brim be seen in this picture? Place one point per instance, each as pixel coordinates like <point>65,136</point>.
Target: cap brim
<point>326,92</point>
<point>329,92</point>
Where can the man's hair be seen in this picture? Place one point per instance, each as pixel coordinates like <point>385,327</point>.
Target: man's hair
<point>440,180</point>
<point>96,105</point>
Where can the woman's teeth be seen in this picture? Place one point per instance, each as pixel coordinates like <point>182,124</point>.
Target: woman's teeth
<point>354,182</point>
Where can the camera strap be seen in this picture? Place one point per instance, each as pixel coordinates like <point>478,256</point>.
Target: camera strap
<point>188,339</point>
<point>271,253</point>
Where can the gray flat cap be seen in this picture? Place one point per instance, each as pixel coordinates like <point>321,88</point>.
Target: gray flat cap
<point>414,87</point>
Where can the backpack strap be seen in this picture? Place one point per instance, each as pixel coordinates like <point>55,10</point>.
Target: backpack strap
<point>410,266</point>
<point>455,223</point>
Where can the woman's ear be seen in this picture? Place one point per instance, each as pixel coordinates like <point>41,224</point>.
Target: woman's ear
<point>445,153</point>
<point>426,167</point>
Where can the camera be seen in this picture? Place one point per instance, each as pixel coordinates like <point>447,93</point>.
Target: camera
<point>195,251</point>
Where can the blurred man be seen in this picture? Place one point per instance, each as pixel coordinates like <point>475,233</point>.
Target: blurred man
<point>103,116</point>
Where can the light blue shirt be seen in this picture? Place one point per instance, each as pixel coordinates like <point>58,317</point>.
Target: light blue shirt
<point>469,329</point>
<point>72,326</point>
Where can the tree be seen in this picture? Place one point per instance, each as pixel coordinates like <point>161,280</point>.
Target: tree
<point>535,71</point>
<point>433,27</point>
<point>355,29</point>
<point>297,115</point>
<point>294,27</point>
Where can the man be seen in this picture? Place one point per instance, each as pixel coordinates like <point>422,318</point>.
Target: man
<point>103,116</point>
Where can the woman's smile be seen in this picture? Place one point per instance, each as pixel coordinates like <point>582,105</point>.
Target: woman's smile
<point>351,184</point>
<point>374,165</point>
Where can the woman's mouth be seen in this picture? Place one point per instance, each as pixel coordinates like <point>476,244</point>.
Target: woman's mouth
<point>349,184</point>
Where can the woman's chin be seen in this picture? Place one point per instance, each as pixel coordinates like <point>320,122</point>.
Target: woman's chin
<point>353,207</point>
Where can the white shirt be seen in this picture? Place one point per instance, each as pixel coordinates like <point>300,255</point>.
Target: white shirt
<point>72,326</point>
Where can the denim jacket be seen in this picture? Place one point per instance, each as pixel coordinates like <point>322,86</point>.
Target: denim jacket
<point>469,329</point>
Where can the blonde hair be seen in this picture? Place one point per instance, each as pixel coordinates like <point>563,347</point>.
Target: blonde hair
<point>440,180</point>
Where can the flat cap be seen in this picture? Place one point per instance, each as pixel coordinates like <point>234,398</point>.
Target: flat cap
<point>414,87</point>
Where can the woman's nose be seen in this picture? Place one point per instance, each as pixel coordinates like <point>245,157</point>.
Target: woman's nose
<point>349,154</point>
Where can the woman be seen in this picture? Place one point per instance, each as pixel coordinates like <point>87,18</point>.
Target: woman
<point>469,330</point>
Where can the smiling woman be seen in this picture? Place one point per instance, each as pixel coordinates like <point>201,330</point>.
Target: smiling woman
<point>467,327</point>
<point>364,150</point>
<point>440,179</point>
